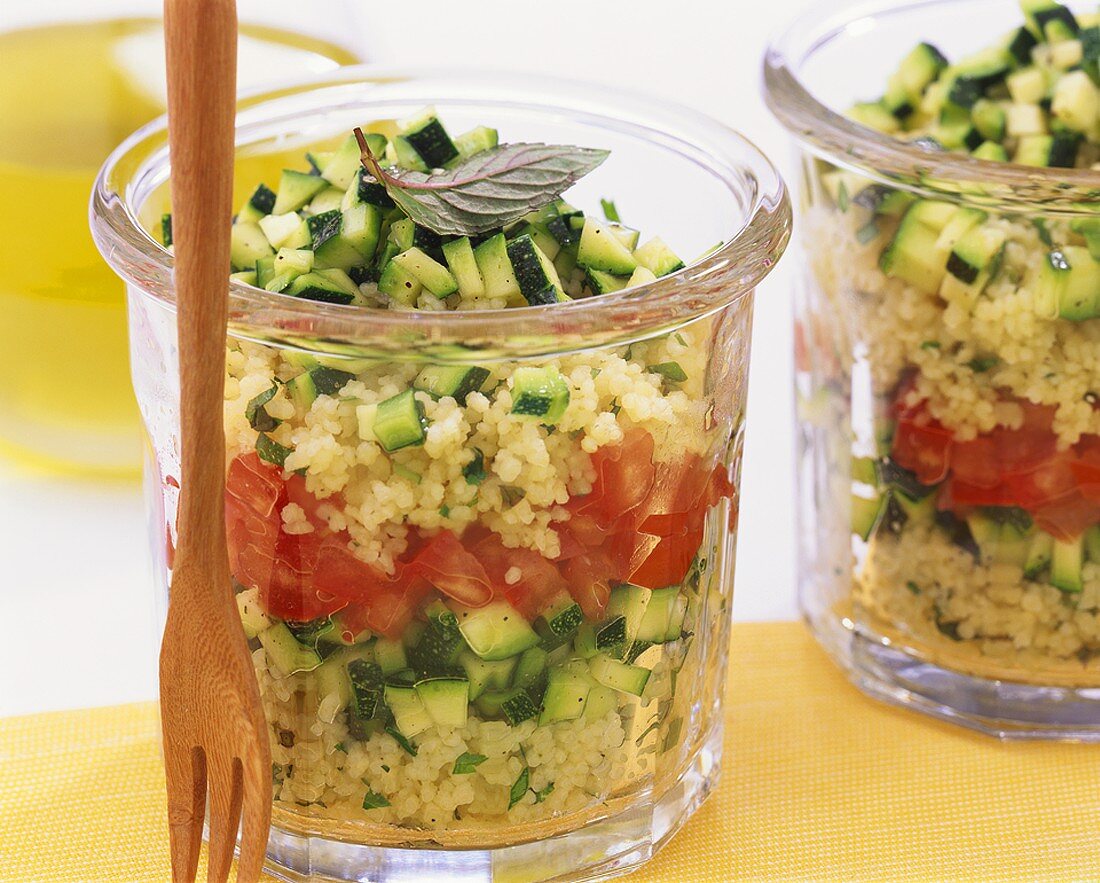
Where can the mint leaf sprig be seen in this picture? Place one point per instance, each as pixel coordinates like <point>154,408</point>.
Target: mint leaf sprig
<point>490,189</point>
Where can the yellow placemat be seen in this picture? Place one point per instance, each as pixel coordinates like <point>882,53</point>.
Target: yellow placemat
<point>819,784</point>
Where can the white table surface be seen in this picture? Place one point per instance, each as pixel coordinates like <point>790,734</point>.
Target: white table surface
<point>76,597</point>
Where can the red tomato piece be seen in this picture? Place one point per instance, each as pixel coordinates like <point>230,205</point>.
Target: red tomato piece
<point>589,580</point>
<point>624,478</point>
<point>669,562</point>
<point>446,564</point>
<point>539,580</point>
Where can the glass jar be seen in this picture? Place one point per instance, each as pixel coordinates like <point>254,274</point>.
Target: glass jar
<point>509,640</point>
<point>61,304</point>
<point>949,534</point>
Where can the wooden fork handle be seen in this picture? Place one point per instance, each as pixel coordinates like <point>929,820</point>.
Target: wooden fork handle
<point>202,51</point>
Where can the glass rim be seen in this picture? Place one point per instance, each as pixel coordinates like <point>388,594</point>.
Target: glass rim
<point>938,174</point>
<point>725,275</point>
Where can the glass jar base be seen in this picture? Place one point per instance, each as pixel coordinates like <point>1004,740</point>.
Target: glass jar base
<point>1004,709</point>
<point>599,851</point>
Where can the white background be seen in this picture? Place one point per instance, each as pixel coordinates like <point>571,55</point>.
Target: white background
<point>76,597</point>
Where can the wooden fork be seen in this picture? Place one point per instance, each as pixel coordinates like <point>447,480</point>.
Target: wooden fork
<point>212,722</point>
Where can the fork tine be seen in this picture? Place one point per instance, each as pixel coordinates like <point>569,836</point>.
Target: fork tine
<point>225,817</point>
<point>255,821</point>
<point>186,810</point>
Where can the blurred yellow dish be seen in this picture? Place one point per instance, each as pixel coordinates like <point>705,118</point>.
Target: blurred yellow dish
<point>68,94</point>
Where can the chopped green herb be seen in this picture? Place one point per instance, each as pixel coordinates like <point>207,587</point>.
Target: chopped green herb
<point>271,451</point>
<point>374,801</point>
<point>445,510</point>
<point>511,495</point>
<point>540,796</point>
<point>401,740</point>
<point>340,746</point>
<point>519,788</point>
<point>467,763</point>
<point>982,364</point>
<point>930,345</point>
<point>166,229</point>
<point>842,199</point>
<point>609,211</point>
<point>913,587</point>
<point>474,471</point>
<point>680,339</point>
<point>256,413</point>
<point>670,371</point>
<point>867,233</point>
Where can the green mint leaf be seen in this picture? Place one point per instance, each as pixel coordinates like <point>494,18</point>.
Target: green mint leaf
<point>374,801</point>
<point>256,413</point>
<point>271,450</point>
<point>540,796</point>
<point>519,788</point>
<point>489,189</point>
<point>467,763</point>
<point>609,211</point>
<point>401,740</point>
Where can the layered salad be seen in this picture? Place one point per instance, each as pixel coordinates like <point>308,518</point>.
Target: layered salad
<point>976,495</point>
<point>477,592</point>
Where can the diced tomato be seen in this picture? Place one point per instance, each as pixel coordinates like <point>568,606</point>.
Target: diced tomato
<point>386,612</point>
<point>539,580</point>
<point>455,572</point>
<point>624,478</point>
<point>295,489</point>
<point>589,579</point>
<point>254,485</point>
<point>669,562</point>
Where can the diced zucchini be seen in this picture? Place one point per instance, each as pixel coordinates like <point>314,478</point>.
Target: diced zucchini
<point>484,675</point>
<point>253,618</point>
<point>874,115</point>
<point>641,276</point>
<point>320,286</point>
<point>445,700</point>
<point>399,422</point>
<point>495,631</point>
<point>1047,151</point>
<point>427,136</point>
<point>629,603</point>
<point>247,244</point>
<point>398,282</point>
<point>329,199</point>
<point>866,514</point>
<point>657,257</point>
<point>1067,559</point>
<point>431,274</point>
<point>456,381</point>
<point>286,231</point>
<point>459,255</point>
<point>1076,102</point>
<point>296,189</point>
<point>1069,285</point>
<point>976,252</point>
<point>492,261</point>
<point>663,616</point>
<point>620,676</point>
<point>562,616</point>
<point>534,273</point>
<point>919,68</point>
<point>565,696</point>
<point>1039,554</point>
<point>306,387</point>
<point>409,714</point>
<point>530,668</point>
<point>916,253</point>
<point>284,651</point>
<point>599,282</point>
<point>600,249</point>
<point>341,168</point>
<point>541,393</point>
<point>367,685</point>
<point>475,141</point>
<point>390,656</point>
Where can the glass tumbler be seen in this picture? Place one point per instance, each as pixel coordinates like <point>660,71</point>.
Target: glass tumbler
<point>949,526</point>
<point>498,653</point>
